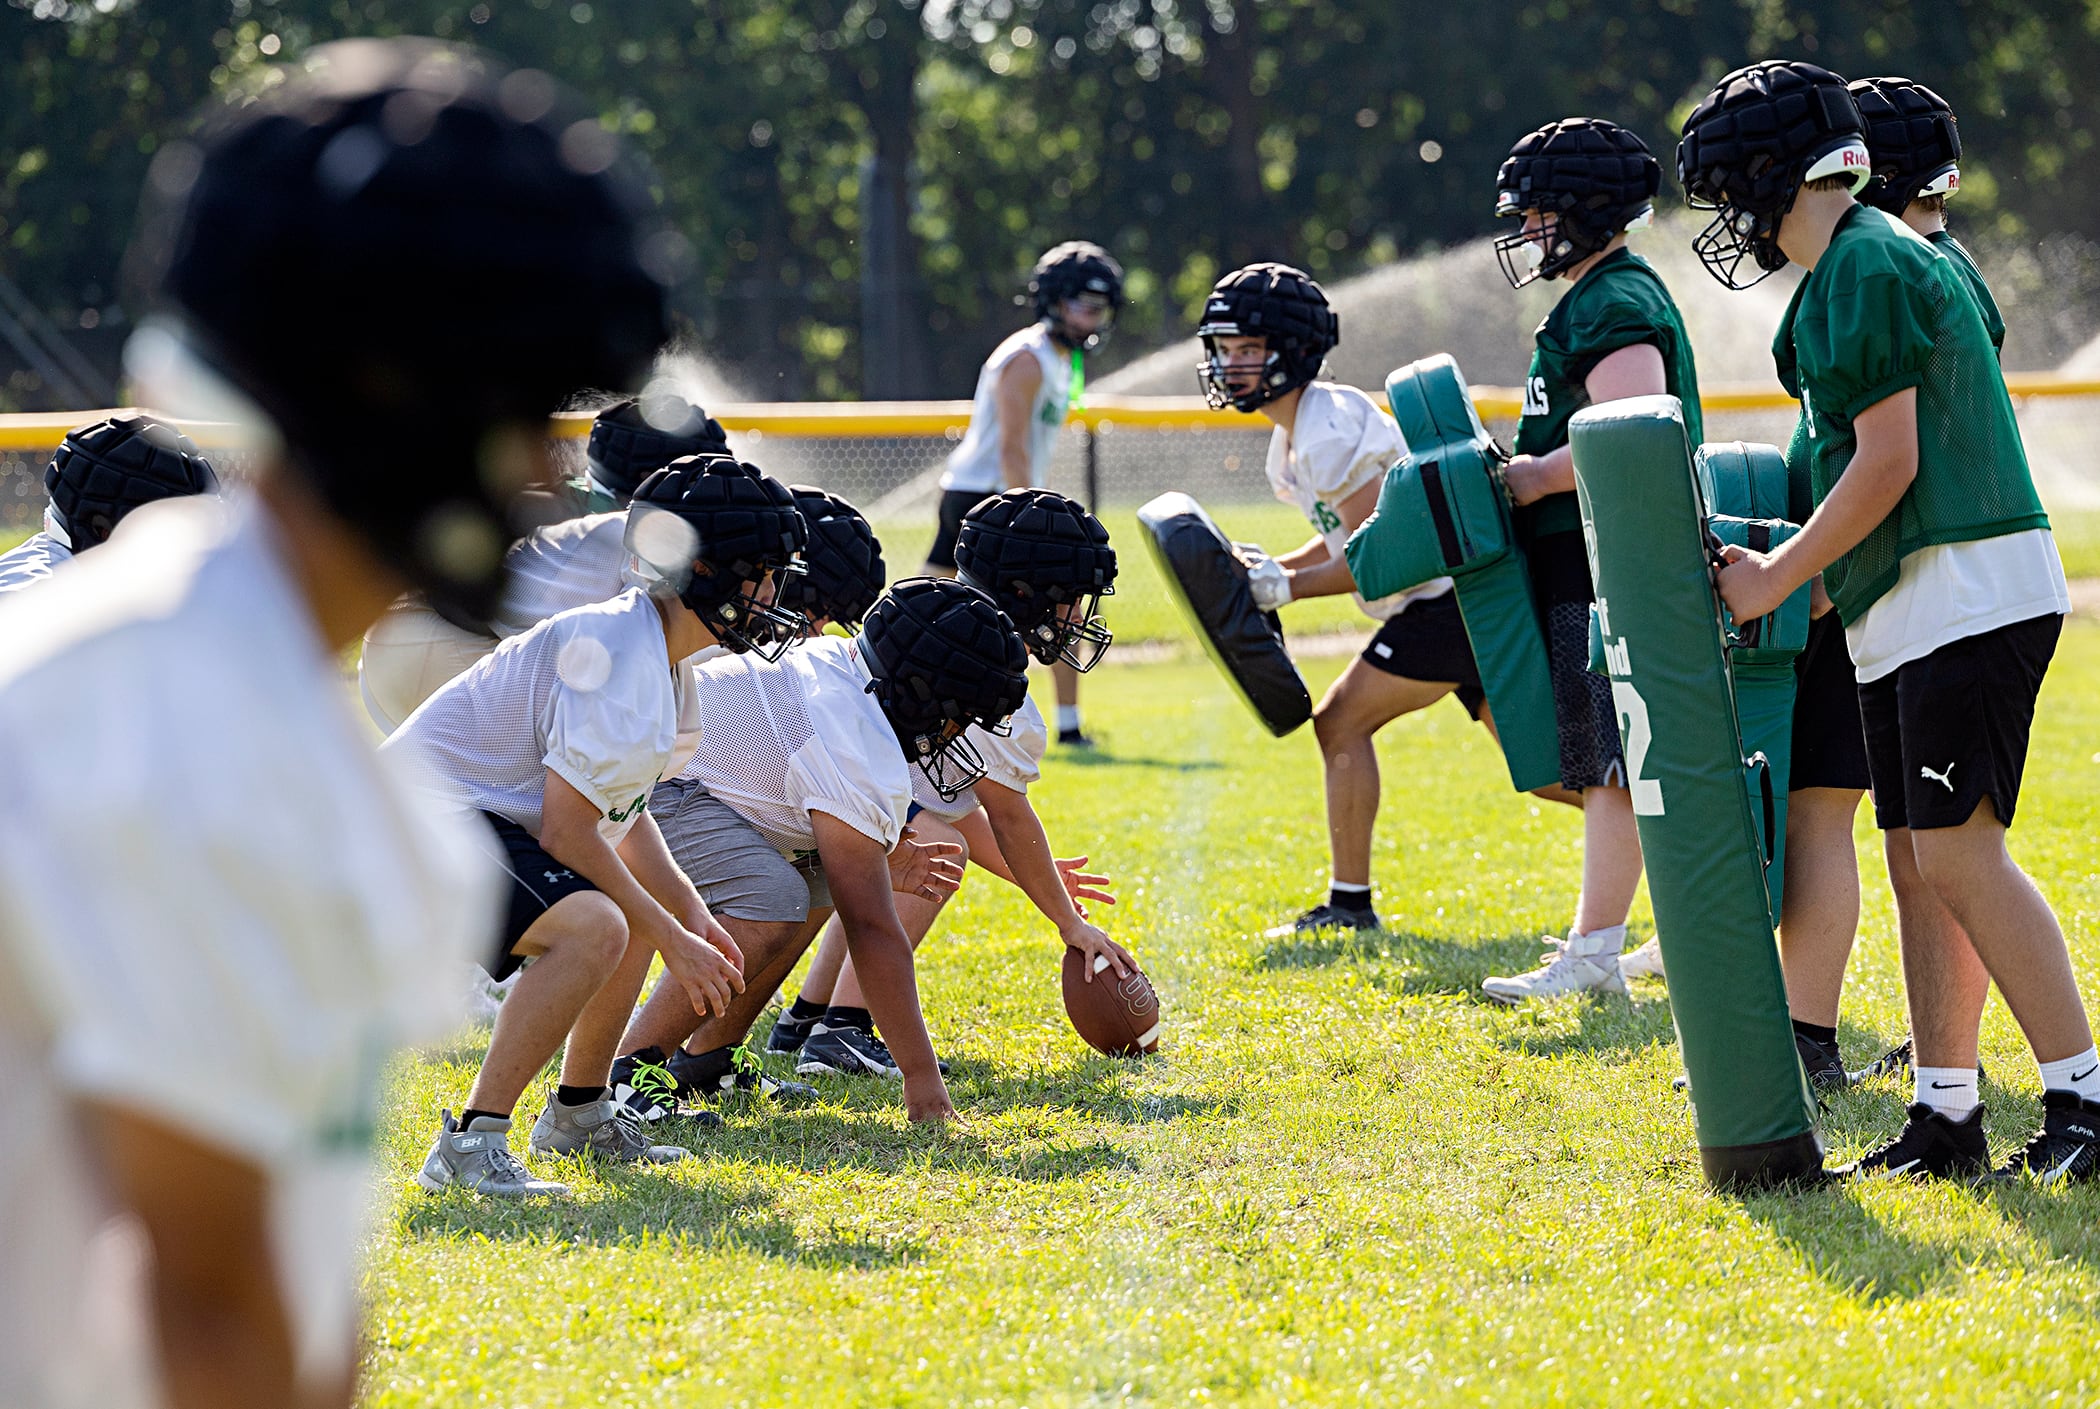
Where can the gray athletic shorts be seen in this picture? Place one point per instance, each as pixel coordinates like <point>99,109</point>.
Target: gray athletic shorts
<point>737,871</point>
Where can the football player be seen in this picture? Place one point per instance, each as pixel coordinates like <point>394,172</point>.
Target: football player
<point>1267,330</point>
<point>794,807</point>
<point>1935,552</point>
<point>415,648</point>
<point>100,474</point>
<point>1024,392</point>
<point>1578,187</point>
<point>1047,563</point>
<point>557,739</point>
<point>195,837</point>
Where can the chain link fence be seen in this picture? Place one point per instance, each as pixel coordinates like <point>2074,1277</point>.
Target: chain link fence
<point>889,463</point>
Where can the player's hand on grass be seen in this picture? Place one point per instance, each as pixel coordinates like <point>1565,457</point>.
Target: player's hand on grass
<point>1525,479</point>
<point>1750,582</point>
<point>929,870</point>
<point>1081,885</point>
<point>926,1099</point>
<point>1093,943</point>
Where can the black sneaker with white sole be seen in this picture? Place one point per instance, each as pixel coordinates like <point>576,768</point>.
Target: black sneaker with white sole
<point>1930,1147</point>
<point>789,1033</point>
<point>1326,917</point>
<point>646,1088</point>
<point>1823,1062</point>
<point>845,1051</point>
<point>2066,1150</point>
<point>729,1071</point>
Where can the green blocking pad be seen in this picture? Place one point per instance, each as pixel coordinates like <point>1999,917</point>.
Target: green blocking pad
<point>1644,522</point>
<point>1445,510</point>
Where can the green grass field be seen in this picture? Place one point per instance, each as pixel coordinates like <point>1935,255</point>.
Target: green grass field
<point>1347,1181</point>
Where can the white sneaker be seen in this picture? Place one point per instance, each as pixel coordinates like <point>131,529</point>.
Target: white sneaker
<point>1644,962</point>
<point>1577,964</point>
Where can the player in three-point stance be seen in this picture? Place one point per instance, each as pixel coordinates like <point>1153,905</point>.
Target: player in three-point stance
<point>557,739</point>
<point>200,858</point>
<point>1027,387</point>
<point>1934,551</point>
<point>1047,563</point>
<point>1266,331</point>
<point>1579,187</point>
<point>795,804</point>
<point>101,473</point>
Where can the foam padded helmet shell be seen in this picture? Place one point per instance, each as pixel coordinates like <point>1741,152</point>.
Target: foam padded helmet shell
<point>941,652</point>
<point>1035,551</point>
<point>632,439</point>
<point>1912,138</point>
<point>407,255</point>
<point>1594,177</point>
<point>1283,305</point>
<point>1073,268</point>
<point>844,572</point>
<point>739,521</point>
<point>103,471</point>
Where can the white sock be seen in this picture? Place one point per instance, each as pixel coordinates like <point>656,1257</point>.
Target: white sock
<point>1067,718</point>
<point>1603,945</point>
<point>1351,888</point>
<point>1949,1090</point>
<point>2080,1074</point>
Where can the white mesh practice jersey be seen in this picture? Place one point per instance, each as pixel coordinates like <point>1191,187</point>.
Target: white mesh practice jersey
<point>217,907</point>
<point>1340,442</point>
<point>974,464</point>
<point>1013,760</point>
<point>802,734</point>
<point>560,567</point>
<point>31,561</point>
<point>589,695</point>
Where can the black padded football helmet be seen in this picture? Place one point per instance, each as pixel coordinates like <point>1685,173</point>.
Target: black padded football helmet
<point>943,658</point>
<point>1276,302</point>
<point>738,522</point>
<point>104,471</point>
<point>632,439</point>
<point>1592,180</point>
<point>843,571</point>
<point>1912,138</point>
<point>1047,562</point>
<point>1067,271</point>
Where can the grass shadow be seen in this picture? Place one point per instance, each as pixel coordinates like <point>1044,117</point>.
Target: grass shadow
<point>1848,1246</point>
<point>1100,757</point>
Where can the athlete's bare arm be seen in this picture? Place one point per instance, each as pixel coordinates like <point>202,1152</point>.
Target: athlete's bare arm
<point>1026,849</point>
<point>1631,371</point>
<point>857,869</point>
<point>1330,577</point>
<point>1018,385</point>
<point>1882,467</point>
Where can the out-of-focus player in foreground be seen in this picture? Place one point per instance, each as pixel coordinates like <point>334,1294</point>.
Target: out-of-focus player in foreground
<point>395,262</point>
<point>101,473</point>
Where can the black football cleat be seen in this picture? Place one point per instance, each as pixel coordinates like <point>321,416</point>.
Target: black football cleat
<point>1930,1147</point>
<point>1823,1063</point>
<point>2066,1150</point>
<point>1894,1065</point>
<point>1326,917</point>
<point>789,1033</point>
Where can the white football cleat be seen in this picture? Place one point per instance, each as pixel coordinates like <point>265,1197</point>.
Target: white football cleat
<point>1644,962</point>
<point>1578,964</point>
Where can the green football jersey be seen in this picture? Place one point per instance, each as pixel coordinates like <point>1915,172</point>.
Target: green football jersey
<point>1993,320</point>
<point>1884,311</point>
<point>1620,302</point>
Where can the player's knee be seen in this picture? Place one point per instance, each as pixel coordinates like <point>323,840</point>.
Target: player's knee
<point>589,928</point>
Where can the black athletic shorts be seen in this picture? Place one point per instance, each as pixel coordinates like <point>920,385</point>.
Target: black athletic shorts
<point>954,504</point>
<point>1950,729</point>
<point>1428,642</point>
<point>1830,748</point>
<point>537,881</point>
<point>1590,751</point>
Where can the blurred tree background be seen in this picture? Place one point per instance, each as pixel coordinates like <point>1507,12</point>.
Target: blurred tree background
<point>865,182</point>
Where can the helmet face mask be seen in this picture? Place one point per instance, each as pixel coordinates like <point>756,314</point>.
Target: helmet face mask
<point>1525,254</point>
<point>950,762</point>
<point>752,620</point>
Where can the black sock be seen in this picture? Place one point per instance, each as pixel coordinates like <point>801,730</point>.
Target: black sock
<point>1821,1036</point>
<point>802,1010</point>
<point>467,1118</point>
<point>579,1095</point>
<point>702,1070</point>
<point>1352,900</point>
<point>861,1018</point>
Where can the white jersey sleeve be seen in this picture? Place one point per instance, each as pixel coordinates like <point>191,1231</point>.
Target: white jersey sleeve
<point>31,561</point>
<point>560,567</point>
<point>1342,441</point>
<point>1012,760</point>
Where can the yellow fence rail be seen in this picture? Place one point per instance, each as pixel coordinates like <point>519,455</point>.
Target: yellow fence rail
<point>862,419</point>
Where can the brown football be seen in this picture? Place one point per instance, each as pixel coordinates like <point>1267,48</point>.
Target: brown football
<point>1121,1019</point>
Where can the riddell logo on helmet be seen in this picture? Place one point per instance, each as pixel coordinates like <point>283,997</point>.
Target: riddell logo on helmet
<point>1856,157</point>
